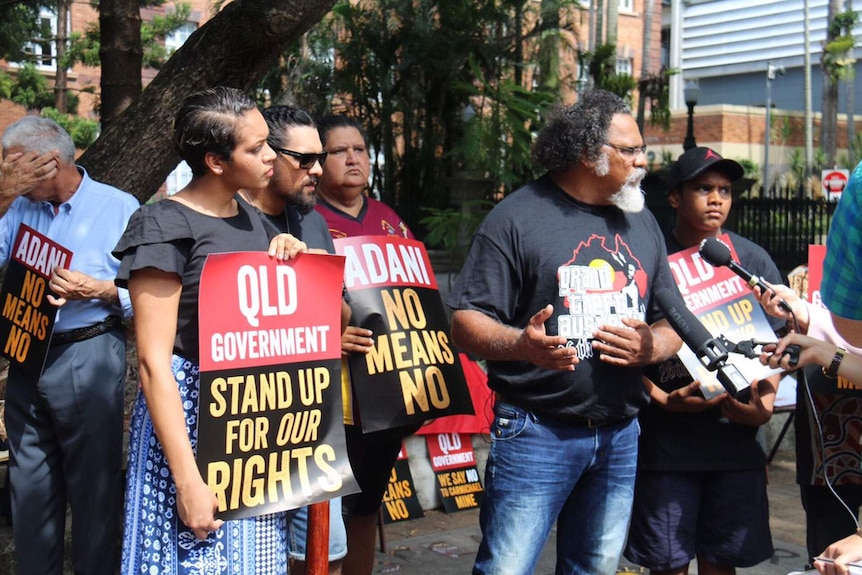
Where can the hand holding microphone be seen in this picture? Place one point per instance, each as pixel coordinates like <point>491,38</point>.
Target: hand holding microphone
<point>711,351</point>
<point>717,253</point>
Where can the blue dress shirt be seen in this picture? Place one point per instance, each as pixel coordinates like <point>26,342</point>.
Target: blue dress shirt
<point>89,225</point>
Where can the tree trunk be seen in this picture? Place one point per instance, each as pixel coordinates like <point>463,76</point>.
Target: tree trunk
<point>549,50</point>
<point>646,60</point>
<point>613,20</point>
<point>829,122</point>
<point>235,48</point>
<point>600,22</point>
<point>61,77</point>
<point>121,54</point>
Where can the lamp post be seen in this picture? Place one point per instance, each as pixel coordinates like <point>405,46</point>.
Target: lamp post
<point>771,72</point>
<point>690,93</point>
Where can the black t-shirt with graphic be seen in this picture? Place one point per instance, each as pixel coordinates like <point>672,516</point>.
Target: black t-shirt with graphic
<point>595,264</point>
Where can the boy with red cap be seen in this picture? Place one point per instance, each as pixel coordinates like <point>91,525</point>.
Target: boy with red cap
<point>701,479</point>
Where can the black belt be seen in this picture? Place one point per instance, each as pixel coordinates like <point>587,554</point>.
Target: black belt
<point>591,423</point>
<point>82,333</point>
<point>576,420</point>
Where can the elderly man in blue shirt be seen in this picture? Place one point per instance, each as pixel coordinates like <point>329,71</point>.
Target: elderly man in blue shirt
<point>66,427</point>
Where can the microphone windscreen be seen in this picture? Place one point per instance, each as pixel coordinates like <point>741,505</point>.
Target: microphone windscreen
<point>715,251</point>
<point>683,322</point>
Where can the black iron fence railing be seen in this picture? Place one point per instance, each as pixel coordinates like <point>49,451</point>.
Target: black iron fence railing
<point>784,224</point>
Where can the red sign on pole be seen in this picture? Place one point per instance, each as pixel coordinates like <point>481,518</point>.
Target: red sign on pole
<point>834,182</point>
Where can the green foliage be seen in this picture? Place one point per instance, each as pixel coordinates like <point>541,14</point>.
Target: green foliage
<point>85,47</point>
<point>31,90</point>
<point>496,140</point>
<point>407,70</point>
<point>603,69</point>
<point>750,169</point>
<point>838,61</point>
<point>446,226</point>
<point>18,24</point>
<point>656,88</point>
<point>83,131</point>
<point>7,84</point>
<point>153,34</point>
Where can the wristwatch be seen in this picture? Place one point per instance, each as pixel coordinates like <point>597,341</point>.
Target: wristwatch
<point>832,371</point>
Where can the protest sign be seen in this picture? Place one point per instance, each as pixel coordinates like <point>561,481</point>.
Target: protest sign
<point>726,306</point>
<point>270,427</point>
<point>27,322</point>
<point>413,372</point>
<point>454,465</point>
<point>400,502</point>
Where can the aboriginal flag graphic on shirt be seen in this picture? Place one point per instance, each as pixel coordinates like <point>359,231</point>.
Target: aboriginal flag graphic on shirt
<point>602,283</point>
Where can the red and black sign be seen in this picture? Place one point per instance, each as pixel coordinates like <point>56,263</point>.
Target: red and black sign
<point>454,464</point>
<point>270,427</point>
<point>400,502</point>
<point>413,372</point>
<point>27,320</point>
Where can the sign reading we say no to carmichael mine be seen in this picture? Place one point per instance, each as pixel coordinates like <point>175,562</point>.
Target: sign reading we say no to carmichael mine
<point>27,320</point>
<point>412,373</point>
<point>270,426</point>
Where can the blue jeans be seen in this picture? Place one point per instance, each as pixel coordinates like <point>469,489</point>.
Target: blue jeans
<point>541,471</point>
<point>298,532</point>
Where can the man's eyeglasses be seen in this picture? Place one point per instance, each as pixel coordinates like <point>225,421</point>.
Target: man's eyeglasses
<point>306,160</point>
<point>628,151</point>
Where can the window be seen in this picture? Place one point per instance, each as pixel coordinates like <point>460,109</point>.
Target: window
<point>41,49</point>
<point>624,66</point>
<point>627,5</point>
<point>179,36</point>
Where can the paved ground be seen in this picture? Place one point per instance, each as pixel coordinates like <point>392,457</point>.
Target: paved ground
<point>442,544</point>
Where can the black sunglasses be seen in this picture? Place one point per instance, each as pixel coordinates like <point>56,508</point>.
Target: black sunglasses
<point>305,160</point>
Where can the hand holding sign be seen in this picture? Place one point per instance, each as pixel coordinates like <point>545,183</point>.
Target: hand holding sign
<point>67,285</point>
<point>196,505</point>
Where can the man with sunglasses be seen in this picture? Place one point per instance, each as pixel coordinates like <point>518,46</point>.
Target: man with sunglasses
<point>287,205</point>
<point>701,482</point>
<point>557,296</point>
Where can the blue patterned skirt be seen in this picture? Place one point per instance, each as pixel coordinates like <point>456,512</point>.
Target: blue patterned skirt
<point>155,540</point>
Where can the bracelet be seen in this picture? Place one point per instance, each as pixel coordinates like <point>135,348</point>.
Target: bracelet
<point>832,371</point>
<point>859,531</point>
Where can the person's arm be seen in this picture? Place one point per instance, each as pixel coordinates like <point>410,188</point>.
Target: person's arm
<point>849,329</point>
<point>685,399</point>
<point>637,343</point>
<point>482,335</point>
<point>70,285</point>
<point>813,351</point>
<point>21,172</point>
<point>155,298</point>
<point>758,409</point>
<point>771,303</point>
<point>842,552</point>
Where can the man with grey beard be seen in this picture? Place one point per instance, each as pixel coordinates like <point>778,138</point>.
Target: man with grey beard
<point>557,295</point>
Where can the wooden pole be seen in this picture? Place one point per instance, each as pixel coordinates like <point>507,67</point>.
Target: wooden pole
<point>317,546</point>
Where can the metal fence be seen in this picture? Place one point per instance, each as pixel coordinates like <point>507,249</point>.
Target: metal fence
<point>784,224</point>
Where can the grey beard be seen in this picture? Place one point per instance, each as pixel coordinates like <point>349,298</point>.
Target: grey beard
<point>630,198</point>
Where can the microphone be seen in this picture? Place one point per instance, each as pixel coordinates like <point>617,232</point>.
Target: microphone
<point>712,352</point>
<point>717,253</point>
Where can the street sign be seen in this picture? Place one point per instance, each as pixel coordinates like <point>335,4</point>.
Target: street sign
<point>834,182</point>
